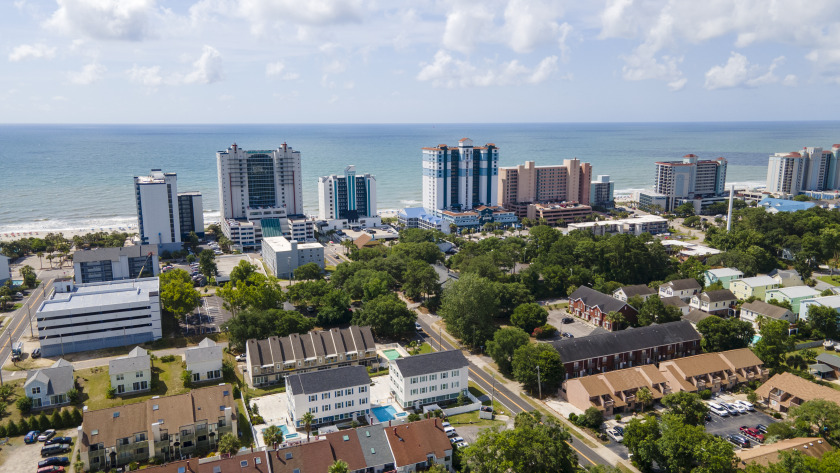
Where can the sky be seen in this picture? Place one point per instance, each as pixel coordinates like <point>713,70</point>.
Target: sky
<point>417,61</point>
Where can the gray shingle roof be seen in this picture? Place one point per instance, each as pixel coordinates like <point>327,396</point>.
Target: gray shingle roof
<point>327,380</point>
<point>765,309</point>
<point>628,340</point>
<point>684,284</point>
<point>830,360</point>
<point>418,365</point>
<point>718,295</point>
<point>298,347</point>
<point>137,360</point>
<point>593,298</point>
<point>674,301</point>
<point>207,350</point>
<point>695,316</point>
<point>636,290</point>
<point>58,378</point>
<point>375,445</point>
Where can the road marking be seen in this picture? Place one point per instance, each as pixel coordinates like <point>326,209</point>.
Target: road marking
<point>511,400</point>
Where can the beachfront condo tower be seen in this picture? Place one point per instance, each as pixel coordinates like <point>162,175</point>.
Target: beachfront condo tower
<point>460,177</point>
<point>157,210</point>
<point>525,184</point>
<point>702,182</point>
<point>349,197</point>
<point>259,187</point>
<point>812,169</point>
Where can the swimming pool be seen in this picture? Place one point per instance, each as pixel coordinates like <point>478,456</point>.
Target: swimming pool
<point>384,414</point>
<point>285,430</point>
<point>391,354</point>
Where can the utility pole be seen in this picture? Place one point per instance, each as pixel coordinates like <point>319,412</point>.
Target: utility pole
<point>29,314</point>
<point>539,383</point>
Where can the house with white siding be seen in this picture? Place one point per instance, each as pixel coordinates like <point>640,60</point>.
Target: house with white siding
<point>48,386</point>
<point>204,361</point>
<point>331,395</point>
<point>132,373</point>
<point>431,378</point>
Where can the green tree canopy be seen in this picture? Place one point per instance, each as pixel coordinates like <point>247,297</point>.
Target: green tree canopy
<point>419,280</point>
<point>504,344</point>
<point>177,293</point>
<point>468,307</point>
<point>687,406</point>
<point>529,316</point>
<point>387,316</point>
<point>775,342</point>
<point>654,311</point>
<point>228,444</point>
<point>823,320</point>
<point>261,324</point>
<point>528,357</point>
<point>207,264</point>
<point>822,415</point>
<point>308,271</point>
<point>725,334</point>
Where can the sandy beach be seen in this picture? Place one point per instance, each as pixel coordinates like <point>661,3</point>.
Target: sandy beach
<point>68,233</point>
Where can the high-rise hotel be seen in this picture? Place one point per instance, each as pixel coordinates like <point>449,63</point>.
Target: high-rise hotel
<point>701,181</point>
<point>811,169</point>
<point>350,197</point>
<point>261,186</point>
<point>460,177</point>
<point>165,217</point>
<point>523,185</point>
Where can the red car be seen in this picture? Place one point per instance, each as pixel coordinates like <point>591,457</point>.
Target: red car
<point>51,469</point>
<point>752,433</point>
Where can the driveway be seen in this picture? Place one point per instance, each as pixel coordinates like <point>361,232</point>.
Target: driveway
<point>578,328</point>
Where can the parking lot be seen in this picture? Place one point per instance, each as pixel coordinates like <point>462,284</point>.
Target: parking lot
<point>21,457</point>
<point>724,426</point>
<point>208,318</point>
<point>578,328</point>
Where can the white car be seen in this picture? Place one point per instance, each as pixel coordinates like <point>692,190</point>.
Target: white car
<point>716,408</point>
<point>746,405</point>
<point>240,357</point>
<point>462,444</point>
<point>615,435</point>
<point>445,425</point>
<point>738,407</point>
<point>456,439</point>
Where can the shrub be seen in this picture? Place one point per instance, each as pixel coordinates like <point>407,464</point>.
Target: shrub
<point>167,358</point>
<point>73,395</point>
<point>257,419</point>
<point>462,399</point>
<point>752,397</point>
<point>133,466</point>
<point>24,427</point>
<point>110,393</point>
<point>237,393</point>
<point>592,418</point>
<point>77,416</point>
<point>79,466</point>
<point>24,404</point>
<point>186,378</point>
<point>546,331</point>
<point>255,409</point>
<point>573,417</point>
<point>2,430</point>
<point>67,419</point>
<point>43,422</point>
<point>413,417</point>
<point>618,417</point>
<point>56,421</point>
<point>705,394</point>
<point>777,415</point>
<point>12,429</point>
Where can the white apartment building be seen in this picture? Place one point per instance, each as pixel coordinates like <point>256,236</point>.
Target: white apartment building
<point>688,179</point>
<point>330,395</point>
<point>460,177</point>
<point>82,317</point>
<point>437,377</point>
<point>652,224</point>
<point>349,197</point>
<point>5,271</point>
<point>157,209</point>
<point>114,264</point>
<point>283,256</point>
<point>602,192</point>
<point>204,361</point>
<point>252,182</point>
<point>191,211</point>
<point>811,169</point>
<point>132,373</point>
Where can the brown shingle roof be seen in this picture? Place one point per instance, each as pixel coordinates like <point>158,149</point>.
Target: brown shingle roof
<point>683,284</point>
<point>799,387</point>
<point>410,443</point>
<point>765,309</point>
<point>718,295</point>
<point>766,454</point>
<point>707,363</point>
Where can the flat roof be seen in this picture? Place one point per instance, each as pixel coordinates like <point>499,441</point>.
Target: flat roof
<point>127,291</point>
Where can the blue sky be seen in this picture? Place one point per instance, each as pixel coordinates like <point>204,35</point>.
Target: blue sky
<point>395,61</point>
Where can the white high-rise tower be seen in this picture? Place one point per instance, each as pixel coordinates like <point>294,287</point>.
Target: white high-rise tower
<point>348,197</point>
<point>460,178</point>
<point>157,209</point>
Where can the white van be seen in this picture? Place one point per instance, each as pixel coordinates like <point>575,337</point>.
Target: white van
<point>716,408</point>
<point>449,431</point>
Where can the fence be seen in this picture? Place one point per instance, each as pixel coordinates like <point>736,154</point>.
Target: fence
<point>814,344</point>
<point>474,406</point>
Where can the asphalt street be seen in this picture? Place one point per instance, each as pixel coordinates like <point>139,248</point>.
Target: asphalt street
<point>19,321</point>
<point>515,404</point>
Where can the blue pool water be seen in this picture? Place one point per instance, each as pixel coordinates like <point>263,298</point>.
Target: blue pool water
<point>384,414</point>
<point>285,430</point>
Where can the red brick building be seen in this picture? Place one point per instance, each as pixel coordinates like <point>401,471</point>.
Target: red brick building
<point>593,306</point>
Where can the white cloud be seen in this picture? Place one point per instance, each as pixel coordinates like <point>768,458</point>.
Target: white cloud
<point>145,76</point>
<point>790,80</point>
<point>446,71</point>
<point>738,72</point>
<point>263,13</point>
<point>335,67</point>
<point>31,51</point>
<point>104,19</point>
<point>89,74</point>
<point>207,69</point>
<point>533,23</point>
<point>466,26</point>
<point>278,70</point>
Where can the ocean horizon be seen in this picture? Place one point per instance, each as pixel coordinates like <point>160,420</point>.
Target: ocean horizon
<point>65,177</point>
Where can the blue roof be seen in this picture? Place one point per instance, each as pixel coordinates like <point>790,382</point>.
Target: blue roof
<point>783,205</point>
<point>420,213</point>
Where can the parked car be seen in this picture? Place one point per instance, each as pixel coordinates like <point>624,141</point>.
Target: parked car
<point>617,437</point>
<point>739,440</point>
<point>746,405</point>
<point>240,357</point>
<point>619,429</point>
<point>741,409</point>
<point>449,431</point>
<point>707,417</point>
<point>446,424</point>
<point>51,469</point>
<point>32,436</point>
<point>568,335</point>
<point>54,461</point>
<point>752,433</point>
<point>36,353</point>
<point>46,435</point>
<point>761,428</point>
<point>456,439</point>
<point>567,320</point>
<point>716,408</point>
<point>59,440</point>
<point>462,444</point>
<point>731,409</point>
<point>53,450</point>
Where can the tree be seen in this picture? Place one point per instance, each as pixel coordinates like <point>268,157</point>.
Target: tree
<point>30,279</point>
<point>654,311</point>
<point>419,279</point>
<point>796,362</point>
<point>725,334</point>
<point>677,445</point>
<point>535,445</point>
<point>261,324</point>
<point>228,444</point>
<point>685,210</point>
<point>824,320</point>
<point>308,271</point>
<point>644,397</point>
<point>640,437</point>
<point>468,307</point>
<point>24,404</point>
<point>334,309</point>
<point>6,391</point>
<point>177,293</point>
<point>529,316</point>
<point>818,413</point>
<point>43,422</point>
<point>207,264</point>
<point>186,378</point>
<point>307,420</point>
<point>781,430</point>
<point>241,272</point>
<point>67,418</point>
<point>687,406</point>
<point>528,357</point>
<point>504,344</point>
<point>339,466</point>
<point>272,436</point>
<point>774,343</point>
<point>387,316</point>
<point>592,418</point>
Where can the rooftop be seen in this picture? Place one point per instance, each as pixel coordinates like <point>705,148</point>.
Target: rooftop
<point>799,387</point>
<point>113,254</point>
<point>328,380</point>
<point>683,284</point>
<point>718,295</point>
<point>636,290</point>
<point>795,292</point>
<point>757,281</point>
<point>137,359</point>
<point>593,298</point>
<point>412,443</point>
<point>767,454</point>
<point>58,378</point>
<point>628,340</point>
<point>310,345</point>
<point>207,350</point>
<point>110,293</point>
<point>431,363</point>
<point>725,272</point>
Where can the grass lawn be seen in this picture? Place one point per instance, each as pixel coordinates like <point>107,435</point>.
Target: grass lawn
<point>833,280</point>
<point>247,438</point>
<point>94,382</point>
<point>422,349</point>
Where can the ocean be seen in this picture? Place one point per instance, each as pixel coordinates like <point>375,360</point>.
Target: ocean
<point>58,177</point>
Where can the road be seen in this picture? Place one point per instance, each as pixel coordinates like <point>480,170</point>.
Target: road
<point>18,322</point>
<point>515,404</point>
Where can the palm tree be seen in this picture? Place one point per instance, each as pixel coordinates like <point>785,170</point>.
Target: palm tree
<point>340,466</point>
<point>41,259</point>
<point>644,396</point>
<point>307,419</point>
<point>272,436</point>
